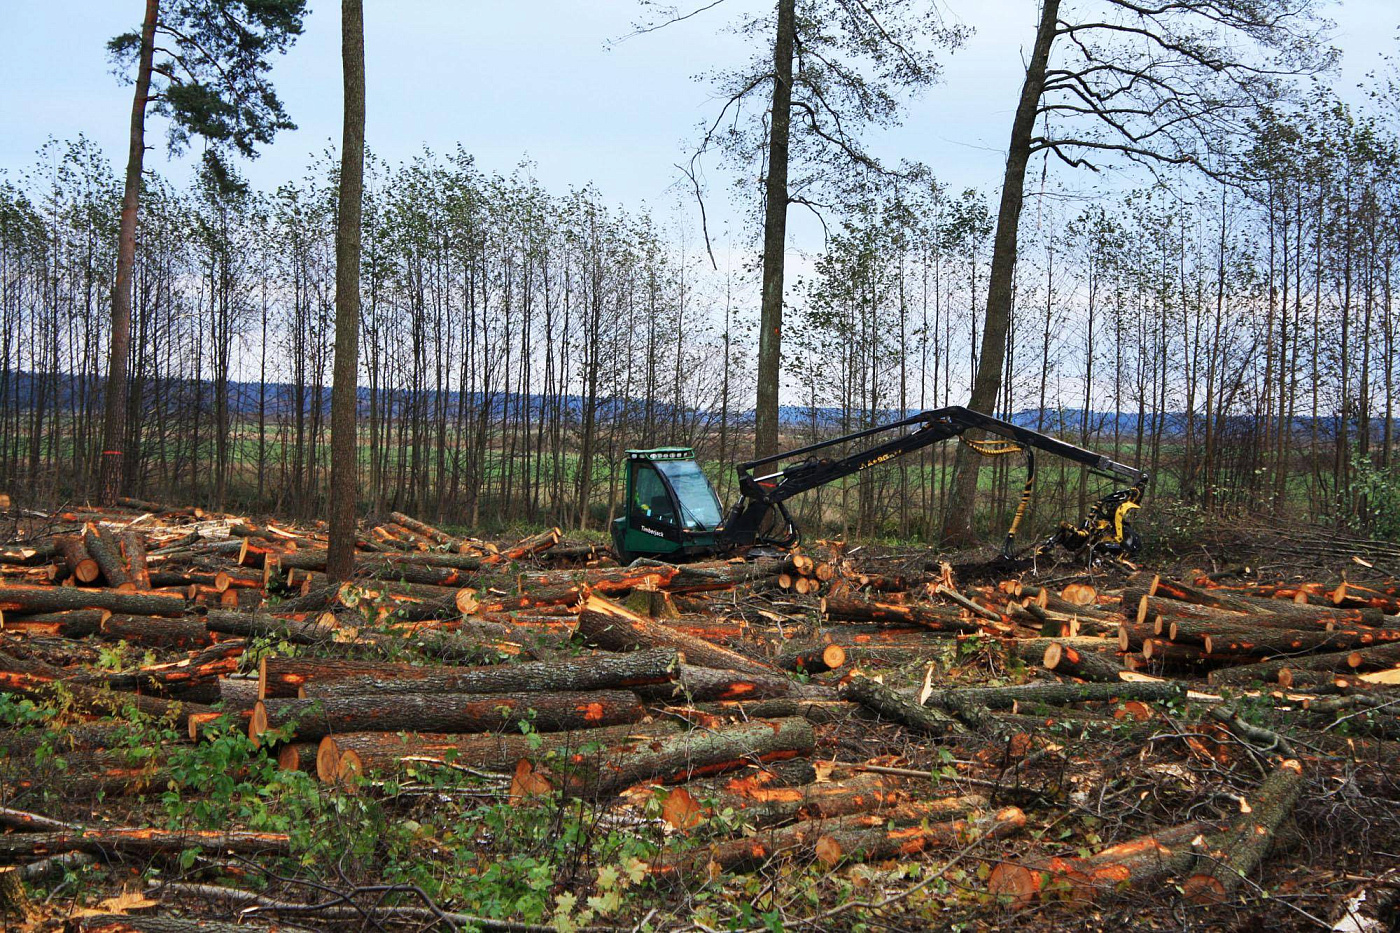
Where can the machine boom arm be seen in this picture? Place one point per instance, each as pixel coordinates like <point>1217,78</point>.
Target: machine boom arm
<point>762,493</point>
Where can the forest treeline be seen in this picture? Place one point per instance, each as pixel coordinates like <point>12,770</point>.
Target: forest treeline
<point>1237,340</point>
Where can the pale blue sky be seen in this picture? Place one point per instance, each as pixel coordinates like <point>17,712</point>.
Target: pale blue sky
<point>534,79</point>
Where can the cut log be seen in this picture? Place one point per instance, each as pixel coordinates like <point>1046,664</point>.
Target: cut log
<point>1079,594</point>
<point>32,677</point>
<point>695,753</point>
<point>607,580</point>
<point>144,842</point>
<point>1379,657</point>
<point>1215,599</point>
<point>298,756</point>
<point>344,756</point>
<point>14,902</point>
<point>762,803</point>
<point>29,553</point>
<point>313,719</point>
<point>86,773</point>
<point>697,684</point>
<point>607,625</point>
<point>898,708</point>
<point>587,672</point>
<point>1059,694</point>
<point>532,545</point>
<point>1123,865</point>
<point>75,623</point>
<point>863,837</point>
<point>812,710</point>
<point>157,631</point>
<point>300,631</point>
<point>30,599</point>
<point>104,547</point>
<point>78,561</point>
<point>812,660</point>
<point>870,844</point>
<point>1088,665</point>
<point>1233,856</point>
<point>936,618</point>
<point>424,529</point>
<point>134,551</point>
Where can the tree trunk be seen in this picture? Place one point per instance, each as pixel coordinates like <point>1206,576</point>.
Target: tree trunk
<point>1235,855</point>
<point>1001,286</point>
<point>588,672</point>
<point>111,478</point>
<point>770,323</point>
<point>340,560</point>
<point>454,712</point>
<point>340,757</point>
<point>614,628</point>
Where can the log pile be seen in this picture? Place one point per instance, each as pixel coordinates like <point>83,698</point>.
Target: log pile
<point>817,695</point>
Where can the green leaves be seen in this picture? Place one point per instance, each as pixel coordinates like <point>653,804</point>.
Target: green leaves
<point>209,69</point>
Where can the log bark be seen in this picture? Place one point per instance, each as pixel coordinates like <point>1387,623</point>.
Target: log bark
<point>144,841</point>
<point>1059,694</point>
<point>587,672</point>
<point>78,561</point>
<point>869,844</point>
<point>31,599</point>
<point>812,659</point>
<point>896,707</point>
<point>343,756</point>
<point>134,550</point>
<point>455,712</point>
<point>106,550</point>
<point>936,618</point>
<point>1087,665</point>
<point>695,684</point>
<point>1232,857</point>
<point>74,623</point>
<point>695,753</point>
<point>608,625</point>
<point>157,631</point>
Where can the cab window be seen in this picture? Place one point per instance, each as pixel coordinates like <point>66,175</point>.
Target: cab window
<point>650,498</point>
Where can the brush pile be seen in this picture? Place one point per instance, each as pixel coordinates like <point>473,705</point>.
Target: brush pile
<point>1121,738</point>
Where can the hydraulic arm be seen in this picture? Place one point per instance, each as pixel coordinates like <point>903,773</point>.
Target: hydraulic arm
<point>762,493</point>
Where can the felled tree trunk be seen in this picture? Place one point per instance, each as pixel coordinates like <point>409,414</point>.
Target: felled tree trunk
<point>1087,665</point>
<point>342,756</point>
<point>456,712</point>
<point>937,618</point>
<point>1233,856</point>
<point>892,706</point>
<point>29,599</point>
<point>587,672</point>
<point>140,842</point>
<point>694,753</point>
<point>615,628</point>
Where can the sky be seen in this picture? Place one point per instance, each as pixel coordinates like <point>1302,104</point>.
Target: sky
<point>546,81</point>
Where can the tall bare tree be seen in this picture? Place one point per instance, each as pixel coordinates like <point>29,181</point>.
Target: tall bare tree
<point>829,69</point>
<point>1169,82</point>
<point>210,80</point>
<point>340,559</point>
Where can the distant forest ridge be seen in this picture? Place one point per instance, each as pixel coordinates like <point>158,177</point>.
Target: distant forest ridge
<point>279,399</point>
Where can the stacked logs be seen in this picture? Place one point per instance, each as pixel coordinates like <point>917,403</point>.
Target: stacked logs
<point>725,682</point>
